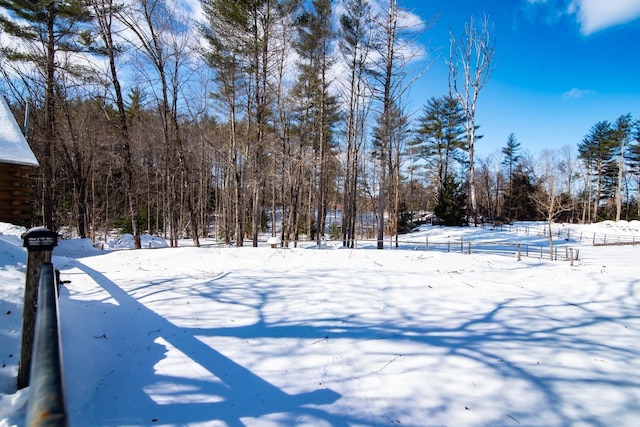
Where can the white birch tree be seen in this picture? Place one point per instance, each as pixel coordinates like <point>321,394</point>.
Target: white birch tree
<point>471,63</point>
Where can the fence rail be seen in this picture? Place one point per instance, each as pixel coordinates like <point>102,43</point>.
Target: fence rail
<point>518,250</point>
<point>614,240</point>
<point>596,239</point>
<point>47,403</point>
<point>514,249</point>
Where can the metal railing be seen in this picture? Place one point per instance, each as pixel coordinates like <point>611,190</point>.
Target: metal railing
<point>47,403</point>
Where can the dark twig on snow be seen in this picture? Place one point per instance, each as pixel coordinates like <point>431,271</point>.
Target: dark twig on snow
<point>320,340</point>
<point>389,363</point>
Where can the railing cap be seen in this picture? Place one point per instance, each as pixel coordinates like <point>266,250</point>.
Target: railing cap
<point>39,239</point>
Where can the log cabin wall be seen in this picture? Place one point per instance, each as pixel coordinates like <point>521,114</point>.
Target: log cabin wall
<point>16,194</point>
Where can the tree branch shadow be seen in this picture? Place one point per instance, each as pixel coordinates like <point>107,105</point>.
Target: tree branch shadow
<point>483,338</point>
<point>234,391</point>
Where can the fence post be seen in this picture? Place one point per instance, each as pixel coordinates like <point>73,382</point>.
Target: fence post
<point>39,242</point>
<point>571,253</point>
<point>426,243</point>
<point>462,245</point>
<point>519,258</point>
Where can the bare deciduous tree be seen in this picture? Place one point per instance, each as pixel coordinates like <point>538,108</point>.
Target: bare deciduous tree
<point>355,46</point>
<point>394,51</point>
<point>104,12</point>
<point>471,63</point>
<point>162,39</point>
<point>548,199</point>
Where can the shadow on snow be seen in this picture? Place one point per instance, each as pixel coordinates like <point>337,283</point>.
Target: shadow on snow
<point>240,393</point>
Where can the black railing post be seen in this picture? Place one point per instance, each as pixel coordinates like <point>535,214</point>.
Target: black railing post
<point>39,242</point>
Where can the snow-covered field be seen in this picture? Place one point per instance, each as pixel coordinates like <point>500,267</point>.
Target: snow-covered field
<point>218,336</point>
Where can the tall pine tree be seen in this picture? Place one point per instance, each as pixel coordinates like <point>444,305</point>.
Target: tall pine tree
<point>451,206</point>
<point>596,151</point>
<point>317,107</point>
<point>441,137</point>
<point>355,46</point>
<point>510,161</point>
<point>623,133</point>
<point>46,28</point>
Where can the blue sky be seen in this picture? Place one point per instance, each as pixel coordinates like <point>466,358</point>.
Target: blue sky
<point>561,66</point>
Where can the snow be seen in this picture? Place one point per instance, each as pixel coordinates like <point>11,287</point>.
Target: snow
<point>221,336</point>
<point>13,146</point>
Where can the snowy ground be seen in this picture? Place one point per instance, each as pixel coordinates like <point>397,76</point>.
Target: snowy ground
<point>218,336</point>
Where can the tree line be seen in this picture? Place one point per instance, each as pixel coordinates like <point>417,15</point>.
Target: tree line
<point>146,120</point>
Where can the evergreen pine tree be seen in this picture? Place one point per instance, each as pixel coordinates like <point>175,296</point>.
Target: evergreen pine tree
<point>519,198</point>
<point>317,107</point>
<point>45,28</point>
<point>510,161</point>
<point>440,136</point>
<point>451,207</point>
<point>596,151</point>
<point>623,133</point>
<point>355,45</point>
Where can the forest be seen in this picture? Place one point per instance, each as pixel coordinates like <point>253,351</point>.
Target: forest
<point>147,120</point>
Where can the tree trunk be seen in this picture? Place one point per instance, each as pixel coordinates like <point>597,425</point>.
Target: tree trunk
<point>380,215</point>
<point>619,186</point>
<point>104,18</point>
<point>47,160</point>
<point>549,222</point>
<point>597,199</point>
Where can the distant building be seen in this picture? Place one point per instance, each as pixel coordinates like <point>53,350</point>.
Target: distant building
<point>17,167</point>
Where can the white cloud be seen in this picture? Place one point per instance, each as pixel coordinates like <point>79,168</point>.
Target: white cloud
<point>192,9</point>
<point>576,93</point>
<point>596,15</point>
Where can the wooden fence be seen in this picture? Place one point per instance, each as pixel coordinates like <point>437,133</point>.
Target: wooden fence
<point>566,233</point>
<point>514,249</point>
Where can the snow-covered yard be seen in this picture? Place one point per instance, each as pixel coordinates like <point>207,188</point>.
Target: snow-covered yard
<point>218,336</point>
